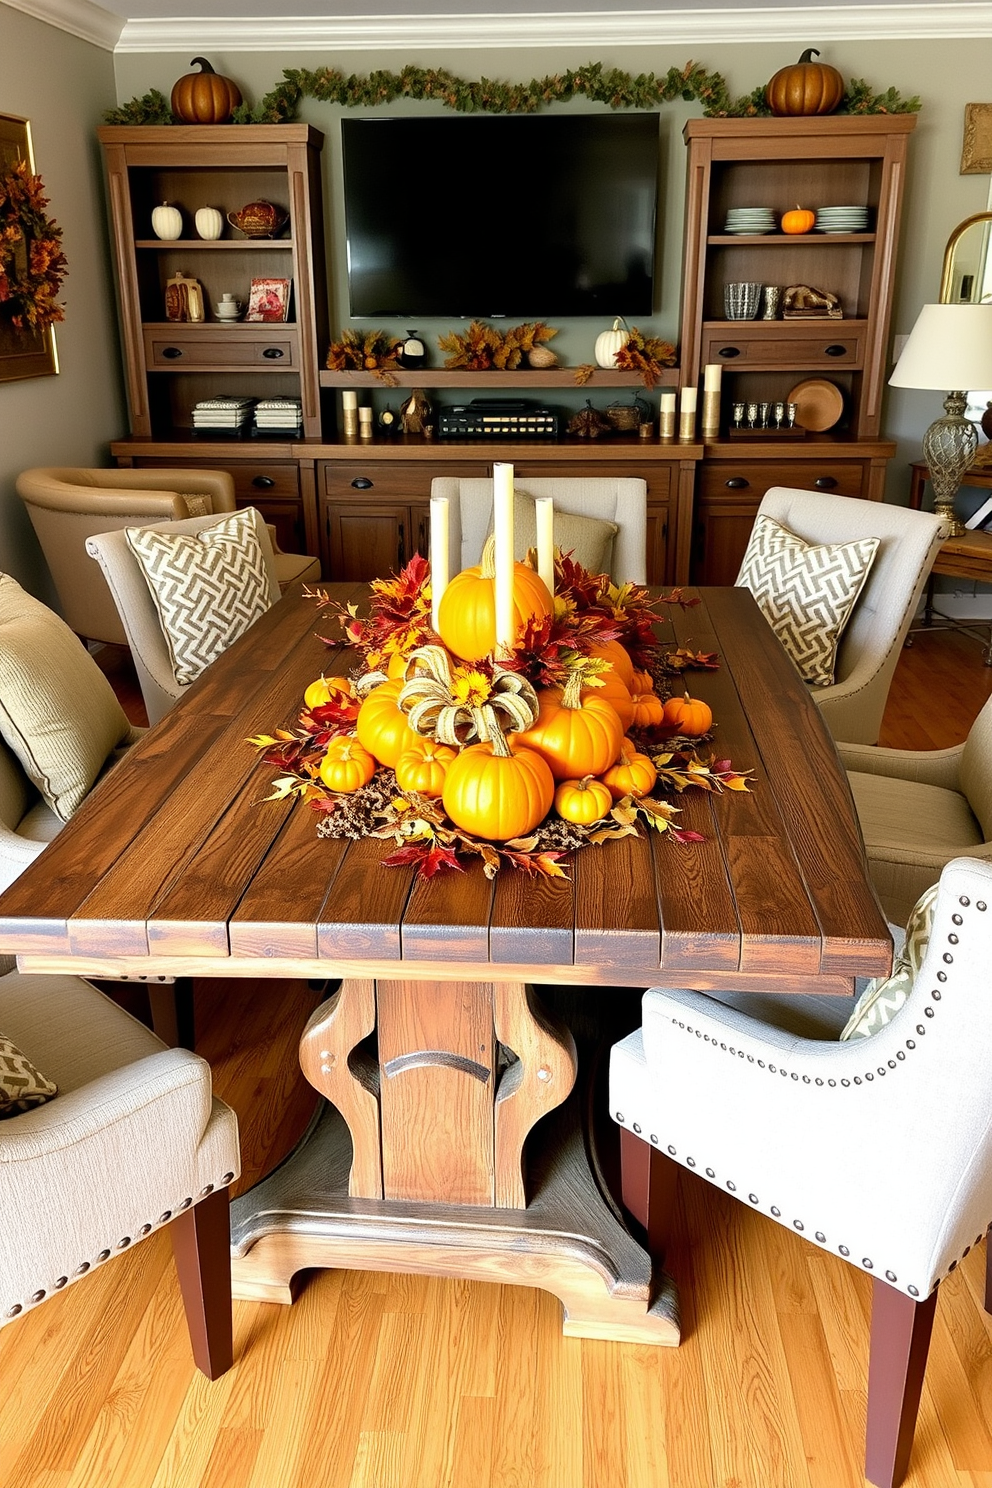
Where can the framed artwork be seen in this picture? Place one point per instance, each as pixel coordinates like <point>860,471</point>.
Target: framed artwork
<point>24,351</point>
<point>268,300</point>
<point>976,149</point>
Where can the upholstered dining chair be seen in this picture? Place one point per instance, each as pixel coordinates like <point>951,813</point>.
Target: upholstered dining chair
<point>919,809</point>
<point>610,533</point>
<point>152,650</point>
<point>132,1140</point>
<point>69,504</point>
<point>877,1150</point>
<point>852,705</point>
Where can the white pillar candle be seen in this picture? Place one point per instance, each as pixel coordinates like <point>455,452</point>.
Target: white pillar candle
<point>439,553</point>
<point>687,414</point>
<point>689,396</point>
<point>349,399</point>
<point>544,508</point>
<point>712,375</point>
<point>666,423</point>
<point>503,530</point>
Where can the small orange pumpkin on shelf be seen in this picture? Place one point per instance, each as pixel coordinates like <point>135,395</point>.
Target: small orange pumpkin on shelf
<point>204,97</point>
<point>423,767</point>
<point>583,802</point>
<point>689,716</point>
<point>633,774</point>
<point>347,765</point>
<point>382,725</point>
<point>498,790</point>
<point>798,221</point>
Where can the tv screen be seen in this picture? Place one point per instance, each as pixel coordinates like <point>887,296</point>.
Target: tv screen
<point>529,217</point>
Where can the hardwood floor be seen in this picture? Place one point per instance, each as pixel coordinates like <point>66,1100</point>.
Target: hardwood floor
<point>374,1381</point>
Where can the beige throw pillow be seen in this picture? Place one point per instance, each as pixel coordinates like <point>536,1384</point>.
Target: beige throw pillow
<point>208,587</point>
<point>21,1084</point>
<point>588,539</point>
<point>884,996</point>
<point>806,591</point>
<point>58,712</point>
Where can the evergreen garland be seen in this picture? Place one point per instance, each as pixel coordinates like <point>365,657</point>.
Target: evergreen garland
<point>610,86</point>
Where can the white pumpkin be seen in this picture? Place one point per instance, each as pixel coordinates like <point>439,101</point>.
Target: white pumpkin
<point>167,222</point>
<point>609,343</point>
<point>209,223</point>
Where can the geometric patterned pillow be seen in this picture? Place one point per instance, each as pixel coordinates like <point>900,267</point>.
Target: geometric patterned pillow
<point>21,1085</point>
<point>208,587</point>
<point>884,996</point>
<point>806,591</point>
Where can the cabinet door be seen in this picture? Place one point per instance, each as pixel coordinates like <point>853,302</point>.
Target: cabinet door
<point>720,533</point>
<point>367,540</point>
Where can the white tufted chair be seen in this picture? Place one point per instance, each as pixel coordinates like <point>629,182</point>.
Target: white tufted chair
<point>878,1150</point>
<point>133,1141</point>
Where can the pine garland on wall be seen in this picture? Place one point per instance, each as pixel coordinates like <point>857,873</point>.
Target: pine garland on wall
<point>610,86</point>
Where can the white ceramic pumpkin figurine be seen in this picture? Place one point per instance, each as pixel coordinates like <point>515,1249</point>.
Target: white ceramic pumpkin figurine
<point>209,223</point>
<point>167,222</point>
<point>608,343</point>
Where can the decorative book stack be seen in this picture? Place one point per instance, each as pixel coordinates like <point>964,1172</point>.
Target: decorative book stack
<point>222,413</point>
<point>275,414</point>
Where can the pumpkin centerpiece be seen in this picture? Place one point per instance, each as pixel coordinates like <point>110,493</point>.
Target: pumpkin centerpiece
<point>205,97</point>
<point>576,732</point>
<point>807,87</point>
<point>466,619</point>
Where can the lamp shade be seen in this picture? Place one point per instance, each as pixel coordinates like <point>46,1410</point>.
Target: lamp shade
<point>950,346</point>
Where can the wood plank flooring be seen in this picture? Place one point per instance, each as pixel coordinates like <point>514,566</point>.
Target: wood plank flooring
<point>372,1381</point>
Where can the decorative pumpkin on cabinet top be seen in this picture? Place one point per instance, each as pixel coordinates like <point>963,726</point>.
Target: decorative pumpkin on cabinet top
<point>807,87</point>
<point>204,97</point>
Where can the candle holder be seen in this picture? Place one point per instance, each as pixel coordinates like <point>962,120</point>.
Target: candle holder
<point>666,422</point>
<point>711,413</point>
<point>687,425</point>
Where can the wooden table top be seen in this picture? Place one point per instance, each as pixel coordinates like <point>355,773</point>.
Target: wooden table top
<point>174,864</point>
<point>968,556</point>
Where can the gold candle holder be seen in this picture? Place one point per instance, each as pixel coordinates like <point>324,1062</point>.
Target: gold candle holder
<point>711,413</point>
<point>666,418</point>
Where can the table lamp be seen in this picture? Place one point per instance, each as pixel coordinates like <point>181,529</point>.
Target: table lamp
<point>949,347</point>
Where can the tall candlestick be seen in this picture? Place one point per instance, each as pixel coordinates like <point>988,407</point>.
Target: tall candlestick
<point>503,530</point>
<point>349,414</point>
<point>439,553</point>
<point>712,378</point>
<point>666,422</point>
<point>687,414</point>
<point>544,509</point>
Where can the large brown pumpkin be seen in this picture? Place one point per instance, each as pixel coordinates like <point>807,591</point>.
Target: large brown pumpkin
<point>205,97</point>
<point>808,87</point>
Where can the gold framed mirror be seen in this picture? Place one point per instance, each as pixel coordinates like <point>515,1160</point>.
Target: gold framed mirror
<point>966,277</point>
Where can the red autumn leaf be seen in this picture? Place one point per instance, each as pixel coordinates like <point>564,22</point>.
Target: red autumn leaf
<point>683,834</point>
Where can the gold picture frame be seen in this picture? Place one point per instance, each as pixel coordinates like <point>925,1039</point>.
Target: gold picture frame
<point>23,353</point>
<point>976,148</point>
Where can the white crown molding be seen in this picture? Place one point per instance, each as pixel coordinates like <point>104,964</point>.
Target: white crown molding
<point>969,19</point>
<point>80,18</point>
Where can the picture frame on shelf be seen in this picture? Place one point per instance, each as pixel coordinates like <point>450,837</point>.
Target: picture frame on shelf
<point>976,145</point>
<point>268,300</point>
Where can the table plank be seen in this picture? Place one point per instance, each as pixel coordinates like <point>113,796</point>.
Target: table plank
<point>533,919</point>
<point>447,917</point>
<point>278,913</point>
<point>365,907</point>
<point>616,912</point>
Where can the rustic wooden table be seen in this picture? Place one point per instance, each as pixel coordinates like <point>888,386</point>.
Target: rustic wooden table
<point>436,1057</point>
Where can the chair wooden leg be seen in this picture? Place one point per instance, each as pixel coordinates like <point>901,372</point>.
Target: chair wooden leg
<point>647,1182</point>
<point>201,1243</point>
<point>172,1012</point>
<point>900,1340</point>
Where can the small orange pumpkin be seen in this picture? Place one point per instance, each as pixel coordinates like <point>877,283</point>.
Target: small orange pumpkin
<point>320,692</point>
<point>576,732</point>
<point>423,767</point>
<point>633,774</point>
<point>582,802</point>
<point>467,613</point>
<point>204,97</point>
<point>689,716</point>
<point>346,765</point>
<point>498,790</point>
<point>807,87</point>
<point>620,657</point>
<point>648,708</point>
<point>382,725</point>
<point>615,693</point>
<point>798,221</point>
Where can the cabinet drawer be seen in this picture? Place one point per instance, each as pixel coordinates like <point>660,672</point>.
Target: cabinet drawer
<point>656,474</point>
<point>175,350</point>
<point>268,478</point>
<point>388,480</point>
<point>733,479</point>
<point>796,345</point>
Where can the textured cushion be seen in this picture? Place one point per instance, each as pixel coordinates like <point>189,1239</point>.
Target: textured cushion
<point>806,591</point>
<point>198,506</point>
<point>884,996</point>
<point>588,539</point>
<point>208,587</point>
<point>21,1085</point>
<point>58,712</point>
<point>912,816</point>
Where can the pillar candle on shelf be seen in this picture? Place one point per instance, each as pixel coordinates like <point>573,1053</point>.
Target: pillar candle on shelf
<point>666,423</point>
<point>503,530</point>
<point>439,553</point>
<point>687,414</point>
<point>349,414</point>
<point>544,509</point>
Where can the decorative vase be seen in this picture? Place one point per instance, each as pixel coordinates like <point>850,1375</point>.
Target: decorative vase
<point>167,222</point>
<point>209,223</point>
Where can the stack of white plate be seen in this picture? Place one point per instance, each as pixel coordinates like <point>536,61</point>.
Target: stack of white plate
<point>842,219</point>
<point>749,221</point>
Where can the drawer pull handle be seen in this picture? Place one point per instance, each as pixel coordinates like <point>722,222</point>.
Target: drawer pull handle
<point>362,483</point>
<point>729,351</point>
<point>825,482</point>
<point>737,483</point>
<point>273,353</point>
<point>263,482</point>
<point>835,351</point>
<point>171,352</point>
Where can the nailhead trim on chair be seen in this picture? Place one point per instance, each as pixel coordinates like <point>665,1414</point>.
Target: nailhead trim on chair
<point>122,1244</point>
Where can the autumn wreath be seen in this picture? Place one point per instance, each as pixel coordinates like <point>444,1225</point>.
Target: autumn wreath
<point>32,264</point>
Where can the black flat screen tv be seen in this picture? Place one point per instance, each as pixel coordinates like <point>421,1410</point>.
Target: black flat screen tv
<point>532,217</point>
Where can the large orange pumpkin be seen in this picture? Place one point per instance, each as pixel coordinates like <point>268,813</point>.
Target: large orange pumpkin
<point>689,716</point>
<point>205,97</point>
<point>498,790</point>
<point>467,612</point>
<point>576,732</point>
<point>808,87</point>
<point>382,725</point>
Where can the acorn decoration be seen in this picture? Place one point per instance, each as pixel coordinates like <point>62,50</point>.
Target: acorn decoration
<point>205,97</point>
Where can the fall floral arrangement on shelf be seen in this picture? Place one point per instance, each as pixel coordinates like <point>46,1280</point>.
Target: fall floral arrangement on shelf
<point>482,348</point>
<point>32,264</point>
<point>499,716</point>
<point>366,351</point>
<point>648,356</point>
